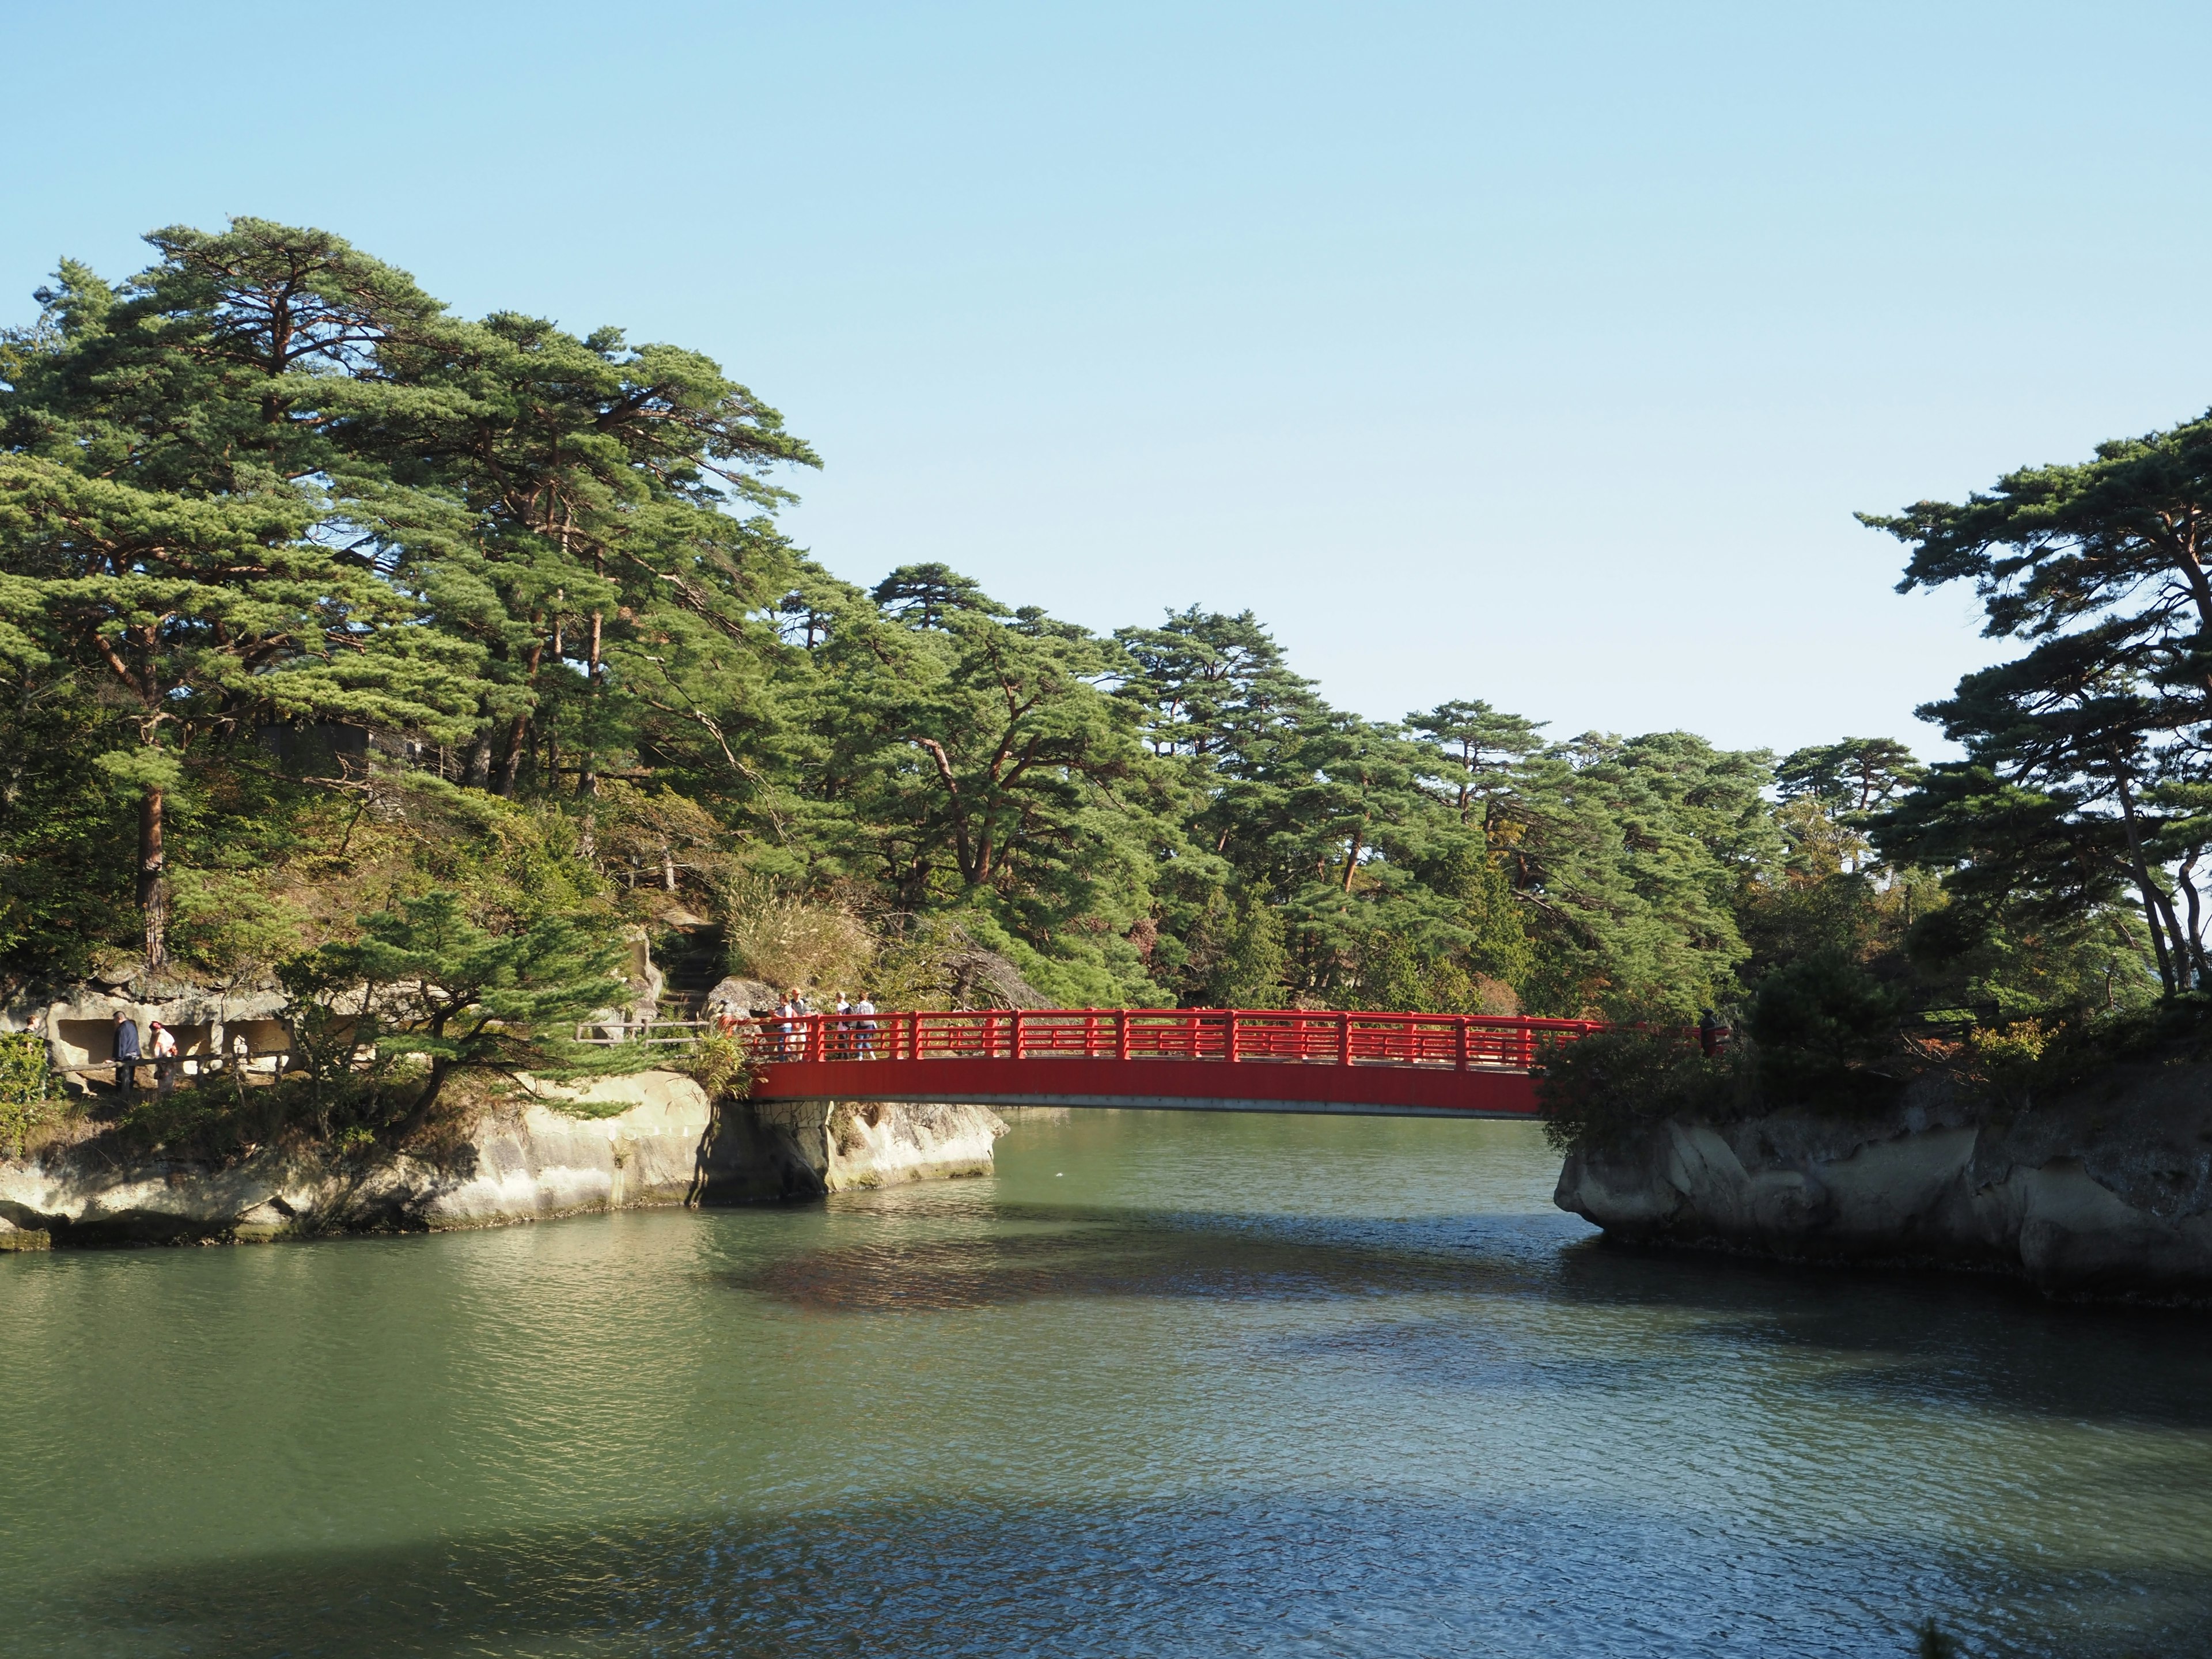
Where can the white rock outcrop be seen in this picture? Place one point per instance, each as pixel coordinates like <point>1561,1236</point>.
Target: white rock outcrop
<point>2110,1195</point>
<point>795,1149</point>
<point>525,1160</point>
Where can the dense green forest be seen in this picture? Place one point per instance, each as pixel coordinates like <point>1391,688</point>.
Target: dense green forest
<point>318,601</point>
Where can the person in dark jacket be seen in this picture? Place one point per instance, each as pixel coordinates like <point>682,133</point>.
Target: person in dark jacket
<point>127,1054</point>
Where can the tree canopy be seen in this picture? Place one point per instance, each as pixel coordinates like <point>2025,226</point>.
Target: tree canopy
<point>2085,764</point>
<point>339,630</point>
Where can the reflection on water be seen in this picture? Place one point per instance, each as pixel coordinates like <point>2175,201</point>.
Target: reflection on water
<point>1166,1384</point>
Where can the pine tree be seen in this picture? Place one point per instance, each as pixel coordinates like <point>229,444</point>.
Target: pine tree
<point>426,980</point>
<point>173,515</point>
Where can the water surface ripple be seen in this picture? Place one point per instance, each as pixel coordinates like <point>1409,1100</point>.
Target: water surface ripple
<point>1165,1385</point>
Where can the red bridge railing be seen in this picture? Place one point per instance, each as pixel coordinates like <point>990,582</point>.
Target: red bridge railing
<point>1454,1043</point>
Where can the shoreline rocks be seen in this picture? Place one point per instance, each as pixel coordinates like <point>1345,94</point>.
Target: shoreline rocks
<point>2107,1193</point>
<point>660,1142</point>
<point>781,1150</point>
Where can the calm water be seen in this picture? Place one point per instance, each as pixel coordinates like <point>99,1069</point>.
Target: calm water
<point>1165,1385</point>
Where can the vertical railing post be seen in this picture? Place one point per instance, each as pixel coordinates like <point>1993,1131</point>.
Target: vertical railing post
<point>1089,1034</point>
<point>1232,1036</point>
<point>1462,1043</point>
<point>812,1047</point>
<point>1344,1039</point>
<point>1120,1034</point>
<point>1017,1033</point>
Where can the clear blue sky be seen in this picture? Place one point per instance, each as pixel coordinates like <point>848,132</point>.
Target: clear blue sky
<point>1534,353</point>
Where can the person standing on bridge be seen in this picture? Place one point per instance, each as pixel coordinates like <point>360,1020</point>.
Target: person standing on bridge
<point>787,1027</point>
<point>866,1009</point>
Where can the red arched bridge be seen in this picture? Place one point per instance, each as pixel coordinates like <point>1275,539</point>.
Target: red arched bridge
<point>1211,1060</point>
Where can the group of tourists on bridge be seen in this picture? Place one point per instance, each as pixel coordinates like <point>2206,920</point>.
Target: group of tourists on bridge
<point>850,1032</point>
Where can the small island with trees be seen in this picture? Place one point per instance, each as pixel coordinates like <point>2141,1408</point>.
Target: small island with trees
<point>348,642</point>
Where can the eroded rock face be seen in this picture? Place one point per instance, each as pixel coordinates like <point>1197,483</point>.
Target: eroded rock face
<point>795,1149</point>
<point>525,1161</point>
<point>2108,1191</point>
<point>741,998</point>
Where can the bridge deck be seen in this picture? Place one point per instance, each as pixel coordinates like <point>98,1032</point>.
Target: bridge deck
<point>1181,1059</point>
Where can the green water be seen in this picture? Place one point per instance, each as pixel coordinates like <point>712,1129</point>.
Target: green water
<point>1166,1384</point>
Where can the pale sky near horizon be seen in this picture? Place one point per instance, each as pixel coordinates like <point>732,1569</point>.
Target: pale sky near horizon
<point>1537,354</point>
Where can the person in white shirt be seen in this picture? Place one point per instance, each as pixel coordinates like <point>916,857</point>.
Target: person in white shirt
<point>866,1010</point>
<point>164,1055</point>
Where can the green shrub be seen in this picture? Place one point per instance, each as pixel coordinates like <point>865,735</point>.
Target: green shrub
<point>214,1119</point>
<point>1821,1029</point>
<point>225,923</point>
<point>26,1103</point>
<point>1613,1088</point>
<point>721,1065</point>
<point>2008,1060</point>
<point>590,1110</point>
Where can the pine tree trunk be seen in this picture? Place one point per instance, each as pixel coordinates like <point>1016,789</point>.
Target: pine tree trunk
<point>2170,968</point>
<point>479,772</point>
<point>2184,959</point>
<point>419,1114</point>
<point>587,762</point>
<point>153,879</point>
<point>518,737</point>
<point>587,772</point>
<point>2187,879</point>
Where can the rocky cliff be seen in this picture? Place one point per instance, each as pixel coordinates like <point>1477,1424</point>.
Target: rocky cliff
<point>525,1160</point>
<point>795,1149</point>
<point>2106,1192</point>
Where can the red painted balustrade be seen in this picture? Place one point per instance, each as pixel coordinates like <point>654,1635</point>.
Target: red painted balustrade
<point>1459,1042</point>
<point>1189,1057</point>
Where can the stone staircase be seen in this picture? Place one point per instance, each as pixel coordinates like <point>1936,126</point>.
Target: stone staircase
<point>692,961</point>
